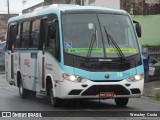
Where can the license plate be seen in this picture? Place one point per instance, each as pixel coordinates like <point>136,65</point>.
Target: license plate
<point>106,94</point>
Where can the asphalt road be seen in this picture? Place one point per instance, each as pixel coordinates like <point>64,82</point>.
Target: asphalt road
<point>10,101</point>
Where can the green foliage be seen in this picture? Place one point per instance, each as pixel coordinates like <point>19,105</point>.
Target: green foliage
<point>157,96</point>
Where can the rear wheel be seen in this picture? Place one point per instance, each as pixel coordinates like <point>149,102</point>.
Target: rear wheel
<point>121,102</point>
<point>22,92</point>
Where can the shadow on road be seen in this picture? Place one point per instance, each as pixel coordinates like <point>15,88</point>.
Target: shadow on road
<point>80,104</point>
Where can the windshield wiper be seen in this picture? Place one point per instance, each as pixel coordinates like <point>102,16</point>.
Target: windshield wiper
<point>114,44</point>
<point>91,44</point>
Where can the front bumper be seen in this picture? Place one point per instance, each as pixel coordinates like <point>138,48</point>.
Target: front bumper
<point>91,89</point>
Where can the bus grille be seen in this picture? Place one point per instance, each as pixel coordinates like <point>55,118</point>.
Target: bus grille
<point>96,89</point>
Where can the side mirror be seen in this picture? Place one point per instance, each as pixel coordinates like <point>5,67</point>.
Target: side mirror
<point>138,28</point>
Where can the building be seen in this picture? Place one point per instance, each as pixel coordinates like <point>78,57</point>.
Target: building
<point>32,8</point>
<point>3,24</point>
<point>49,2</point>
<point>104,3</point>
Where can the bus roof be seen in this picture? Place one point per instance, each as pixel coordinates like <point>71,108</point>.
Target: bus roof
<point>57,8</point>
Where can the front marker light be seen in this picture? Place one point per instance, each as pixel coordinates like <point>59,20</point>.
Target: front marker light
<point>73,78</point>
<point>135,78</point>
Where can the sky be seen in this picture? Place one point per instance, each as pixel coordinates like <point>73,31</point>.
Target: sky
<point>16,6</point>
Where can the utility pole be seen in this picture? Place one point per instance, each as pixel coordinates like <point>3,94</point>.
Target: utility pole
<point>144,7</point>
<point>8,9</point>
<point>24,2</point>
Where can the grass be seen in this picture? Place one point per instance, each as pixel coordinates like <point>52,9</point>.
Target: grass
<point>157,96</point>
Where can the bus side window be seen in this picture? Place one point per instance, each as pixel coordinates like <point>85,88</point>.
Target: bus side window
<point>25,35</point>
<point>12,36</point>
<point>17,42</point>
<point>43,33</point>
<point>34,41</point>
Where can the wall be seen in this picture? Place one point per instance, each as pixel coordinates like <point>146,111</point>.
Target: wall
<point>151,40</point>
<point>104,3</point>
<point>150,29</point>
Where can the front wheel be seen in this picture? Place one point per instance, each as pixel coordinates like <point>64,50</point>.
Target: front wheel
<point>22,92</point>
<point>121,102</point>
<point>55,102</point>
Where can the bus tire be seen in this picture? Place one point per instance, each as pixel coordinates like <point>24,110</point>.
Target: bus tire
<point>55,102</point>
<point>22,92</point>
<point>121,102</point>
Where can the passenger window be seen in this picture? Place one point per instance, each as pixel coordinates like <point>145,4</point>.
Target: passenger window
<point>17,42</point>
<point>26,27</point>
<point>12,37</point>
<point>34,41</point>
<point>25,35</point>
<point>43,32</point>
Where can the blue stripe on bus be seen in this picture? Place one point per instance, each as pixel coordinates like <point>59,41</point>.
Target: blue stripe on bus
<point>26,51</point>
<point>101,75</point>
<point>35,75</point>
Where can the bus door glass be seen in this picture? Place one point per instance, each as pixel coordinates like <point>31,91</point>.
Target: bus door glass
<point>52,43</point>
<point>41,60</point>
<point>10,47</point>
<point>24,54</point>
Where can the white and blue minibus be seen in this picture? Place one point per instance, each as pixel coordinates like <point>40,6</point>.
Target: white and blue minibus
<point>75,52</point>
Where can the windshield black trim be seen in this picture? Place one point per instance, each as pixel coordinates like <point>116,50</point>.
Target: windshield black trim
<point>95,65</point>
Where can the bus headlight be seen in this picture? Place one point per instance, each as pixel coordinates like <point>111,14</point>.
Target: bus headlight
<point>135,78</point>
<point>73,78</point>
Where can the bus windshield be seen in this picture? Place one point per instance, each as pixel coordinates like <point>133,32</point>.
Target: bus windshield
<point>84,33</point>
